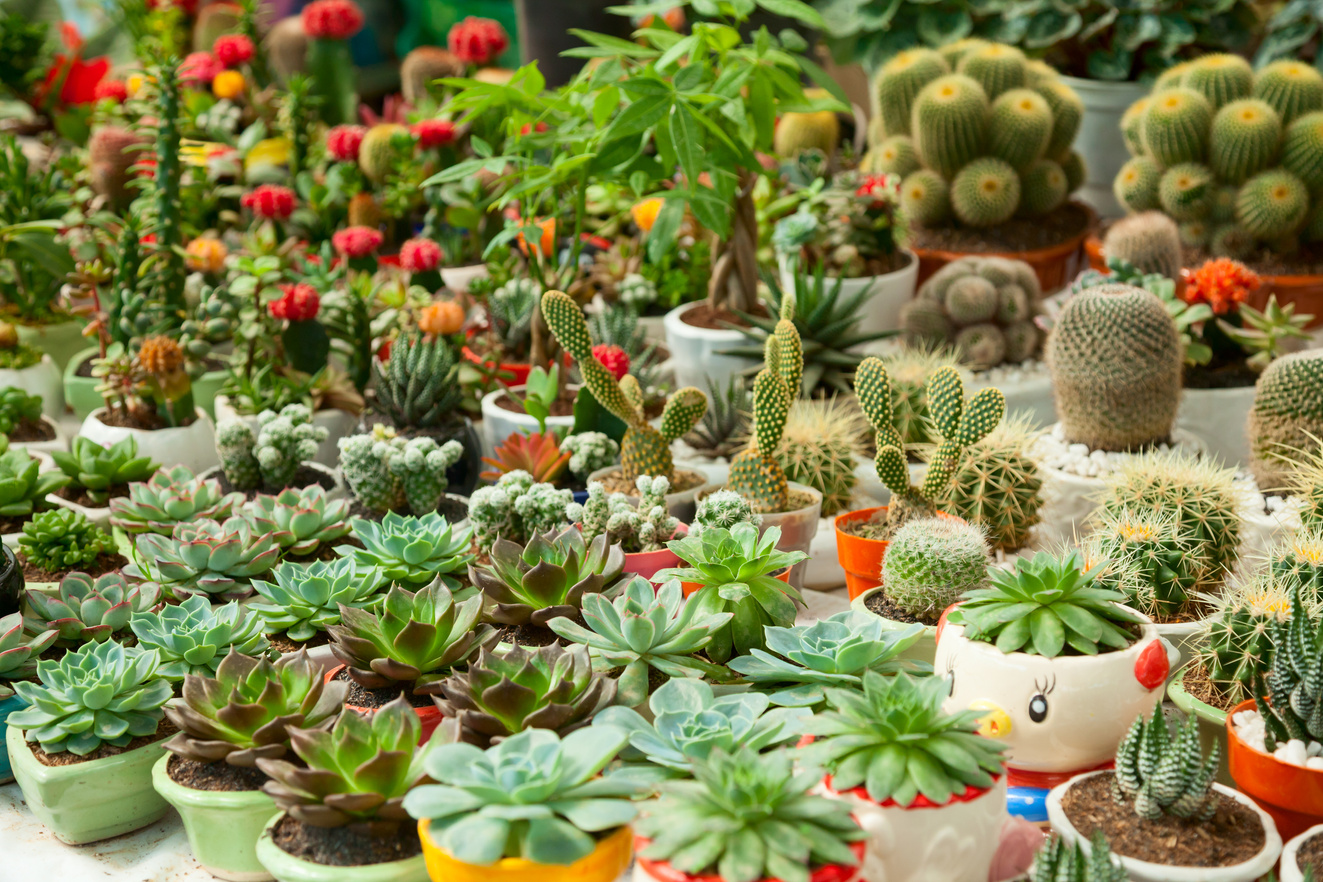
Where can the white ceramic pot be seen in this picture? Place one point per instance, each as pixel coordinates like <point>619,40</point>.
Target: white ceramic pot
<point>1144,871</point>
<point>60,442</point>
<point>887,294</point>
<point>458,278</point>
<point>954,842</point>
<point>922,649</point>
<point>499,423</point>
<point>1100,142</point>
<point>798,528</point>
<point>1217,417</point>
<point>1291,871</point>
<point>1184,637</point>
<point>1058,714</point>
<point>337,423</point>
<point>654,328</point>
<point>694,352</point>
<point>192,445</point>
<point>1028,390</point>
<point>822,570</point>
<point>43,379</point>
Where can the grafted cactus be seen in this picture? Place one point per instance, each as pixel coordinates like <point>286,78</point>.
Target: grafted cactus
<point>644,450</point>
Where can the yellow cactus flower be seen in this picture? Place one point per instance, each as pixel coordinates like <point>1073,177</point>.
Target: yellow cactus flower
<point>228,84</point>
<point>645,213</point>
<point>205,255</point>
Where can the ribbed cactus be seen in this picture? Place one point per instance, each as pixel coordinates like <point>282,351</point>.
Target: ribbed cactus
<point>168,271</point>
<point>1221,78</point>
<point>1244,139</point>
<point>893,156</point>
<point>997,485</point>
<point>1160,776</point>
<point>296,121</point>
<point>1185,191</point>
<point>1236,641</point>
<point>985,193</point>
<point>1136,184</point>
<point>954,53</point>
<point>1067,113</point>
<point>1298,561</point>
<point>983,306</point>
<point>1044,186</point>
<point>1291,705</point>
<point>926,197</point>
<point>898,83</point>
<point>1132,127</point>
<point>931,562</point>
<point>643,450</point>
<point>1176,126</point>
<point>1019,127</point>
<point>996,67</point>
<point>1302,150</point>
<point>819,444</point>
<point>1115,358</point>
<point>1272,205</point>
<point>381,147</point>
<point>1286,422</point>
<point>1292,88</point>
<point>950,124</point>
<point>1145,556</point>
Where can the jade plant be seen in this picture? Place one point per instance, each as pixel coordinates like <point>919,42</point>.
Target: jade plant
<point>1143,555</point>
<point>243,712</point>
<point>87,610</point>
<point>20,647</point>
<point>641,525</point>
<point>1060,861</point>
<point>170,497</point>
<point>755,472</point>
<point>205,557</point>
<point>893,739</point>
<point>724,509</point>
<point>301,520</point>
<point>549,577</point>
<point>193,638</point>
<point>61,539</point>
<point>533,797</point>
<point>388,473</point>
<point>103,693</point>
<point>270,458</point>
<point>1161,776</point>
<point>1048,605</point>
<point>517,508</point>
<point>23,486</point>
<point>931,562</point>
<point>734,569</point>
<point>1290,696</point>
<point>305,599</point>
<point>98,471</point>
<point>411,550</point>
<point>802,661</point>
<point>645,629</point>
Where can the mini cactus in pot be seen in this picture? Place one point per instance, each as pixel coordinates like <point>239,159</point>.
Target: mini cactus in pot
<point>931,563</point>
<point>388,473</point>
<point>642,527</point>
<point>1148,558</point>
<point>269,459</point>
<point>1286,421</point>
<point>818,447</point>
<point>997,485</point>
<point>1238,638</point>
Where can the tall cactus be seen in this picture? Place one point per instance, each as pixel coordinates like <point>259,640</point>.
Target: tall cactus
<point>644,450</point>
<point>168,270</point>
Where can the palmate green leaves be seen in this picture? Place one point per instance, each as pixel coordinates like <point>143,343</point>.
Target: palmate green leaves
<point>1048,605</point>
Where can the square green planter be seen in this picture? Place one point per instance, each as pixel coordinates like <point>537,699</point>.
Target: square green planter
<point>90,801</point>
<point>287,868</point>
<point>222,826</point>
<point>7,707</point>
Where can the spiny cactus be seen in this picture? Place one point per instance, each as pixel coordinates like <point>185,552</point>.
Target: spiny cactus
<point>818,448</point>
<point>1302,150</point>
<point>1176,126</point>
<point>417,387</point>
<point>1146,557</point>
<point>931,562</point>
<point>723,509</point>
<point>1306,486</point>
<point>381,147</point>
<point>1237,640</point>
<point>1298,560</point>
<point>1292,702</point>
<point>1244,139</point>
<point>1292,88</point>
<point>899,82</point>
<point>909,368</point>
<point>643,450</point>
<point>423,65</point>
<point>1149,241</point>
<point>996,67</point>
<point>984,306</point>
<point>1286,420</point>
<point>1136,184</point>
<point>926,197</point>
<point>1115,358</point>
<point>1185,191</point>
<point>997,485</point>
<point>1163,776</point>
<point>1220,77</point>
<point>950,123</point>
<point>1019,127</point>
<point>166,278</point>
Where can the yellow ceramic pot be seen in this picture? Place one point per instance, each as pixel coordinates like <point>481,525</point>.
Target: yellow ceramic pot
<point>606,864</point>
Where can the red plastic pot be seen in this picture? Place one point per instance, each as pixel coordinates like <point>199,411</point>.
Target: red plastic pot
<point>648,563</point>
<point>430,717</point>
<point>1292,795</point>
<point>664,872</point>
<point>517,371</point>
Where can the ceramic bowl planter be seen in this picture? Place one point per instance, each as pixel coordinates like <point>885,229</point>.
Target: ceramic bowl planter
<point>193,445</point>
<point>1217,417</point>
<point>606,863</point>
<point>887,294</point>
<point>337,423</point>
<point>1212,722</point>
<point>499,423</point>
<point>93,800</point>
<point>285,867</point>
<point>1146,871</point>
<point>1293,795</point>
<point>660,871</point>
<point>41,379</point>
<point>80,392</point>
<point>429,716</point>
<point>1291,870</point>
<point>207,387</point>
<point>7,707</point>
<point>922,649</point>
<point>222,826</point>
<point>696,352</point>
<point>458,278</point>
<point>1100,141</point>
<point>59,340</point>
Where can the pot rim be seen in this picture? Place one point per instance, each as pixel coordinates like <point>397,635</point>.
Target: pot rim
<point>20,753</point>
<point>200,419</point>
<point>664,872</point>
<point>1030,256</point>
<point>1292,847</point>
<point>858,605</point>
<point>1148,630</point>
<point>673,323</point>
<point>175,793</point>
<point>970,794</point>
<point>286,864</point>
<point>1202,709</point>
<point>910,268</point>
<point>622,837</point>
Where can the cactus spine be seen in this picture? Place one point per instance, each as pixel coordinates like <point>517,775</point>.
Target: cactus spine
<point>950,123</point>
<point>997,486</point>
<point>1237,641</point>
<point>1221,78</point>
<point>899,82</point>
<point>1150,242</point>
<point>1176,126</point>
<point>1286,422</point>
<point>931,562</point>
<point>1244,139</point>
<point>1292,88</point>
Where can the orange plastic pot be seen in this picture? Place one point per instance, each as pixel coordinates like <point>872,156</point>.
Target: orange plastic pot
<point>1055,265</point>
<point>861,558</point>
<point>607,863</point>
<point>1292,795</point>
<point>661,871</point>
<point>692,587</point>
<point>516,371</point>
<point>430,717</point>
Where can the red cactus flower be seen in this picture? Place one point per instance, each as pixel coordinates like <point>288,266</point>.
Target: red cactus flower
<point>233,50</point>
<point>115,90</point>
<point>613,358</point>
<point>477,41</point>
<point>420,255</point>
<point>199,69</point>
<point>434,133</point>
<point>270,201</point>
<point>332,19</point>
<point>881,189</point>
<point>356,241</point>
<point>75,78</point>
<point>297,303</point>
<point>342,142</point>
<point>1222,284</point>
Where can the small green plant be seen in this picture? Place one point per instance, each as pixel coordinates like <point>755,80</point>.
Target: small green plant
<point>1163,776</point>
<point>997,485</point>
<point>87,610</point>
<point>412,550</point>
<point>23,486</point>
<point>205,557</point>
<point>98,471</point>
<point>170,497</point>
<point>61,539</point>
<point>723,509</point>
<point>270,458</point>
<point>1059,861</point>
<point>305,599</point>
<point>18,410</point>
<point>909,369</point>
<point>725,423</point>
<point>541,390</point>
<point>1149,242</point>
<point>1237,639</point>
<point>388,473</point>
<point>1298,560</point>
<point>1286,421</point>
<point>301,520</point>
<point>983,307</point>
<point>755,473</point>
<point>931,563</point>
<point>19,650</point>
<point>645,526</point>
<point>1290,696</point>
<point>192,637</point>
<point>548,577</point>
<point>517,508</point>
<point>589,452</point>
<point>1144,556</point>
<point>418,385</point>
<point>819,446</point>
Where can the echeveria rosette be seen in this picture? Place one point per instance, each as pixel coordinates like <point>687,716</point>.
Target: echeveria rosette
<point>412,637</point>
<point>641,629</point>
<point>88,610</point>
<point>241,714</point>
<point>104,693</point>
<point>19,650</point>
<point>305,599</point>
<point>193,638</point>
<point>689,722</point>
<point>205,557</point>
<point>505,691</point>
<point>171,497</point>
<point>735,568</point>
<point>1046,604</point>
<point>533,796</point>
<point>23,486</point>
<point>98,469</point>
<point>357,772</point>
<point>300,519</point>
<point>801,661</point>
<point>547,578</point>
<point>413,550</point>
<point>893,739</point>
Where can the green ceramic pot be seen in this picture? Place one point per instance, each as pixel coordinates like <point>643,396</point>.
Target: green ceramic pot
<point>60,340</point>
<point>89,801</point>
<point>922,649</point>
<point>80,392</point>
<point>287,868</point>
<point>7,707</point>
<point>222,826</point>
<point>1212,723</point>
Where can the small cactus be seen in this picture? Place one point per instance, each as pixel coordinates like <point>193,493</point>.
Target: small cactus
<point>1145,556</point>
<point>1149,242</point>
<point>984,306</point>
<point>644,527</point>
<point>422,66</point>
<point>1221,78</point>
<point>1160,776</point>
<point>723,509</point>
<point>1286,422</point>
<point>997,486</point>
<point>1176,126</point>
<point>1237,640</point>
<point>386,472</point>
<point>818,448</point>
<point>931,562</point>
<point>1292,88</point>
<point>899,82</point>
<point>1244,139</point>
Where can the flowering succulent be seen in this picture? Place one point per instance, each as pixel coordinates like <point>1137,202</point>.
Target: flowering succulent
<point>411,550</point>
<point>548,577</point>
<point>433,133</point>
<point>98,470</point>
<point>517,508</point>
<point>23,486</point>
<point>332,19</point>
<point>205,557</point>
<point>300,520</point>
<point>508,690</point>
<point>355,242</point>
<point>233,50</point>
<point>242,713</point>
<point>477,41</point>
<point>270,202</point>
<point>104,693</point>
<point>641,629</point>
<point>87,610</point>
<point>306,598</point>
<point>590,451</point>
<point>532,797</point>
<point>342,142</point>
<point>296,303</point>
<point>171,497</point>
<point>192,638</point>
<point>413,637</point>
<point>356,773</point>
<point>19,650</point>
<point>62,539</point>
<point>420,255</point>
<point>1222,283</point>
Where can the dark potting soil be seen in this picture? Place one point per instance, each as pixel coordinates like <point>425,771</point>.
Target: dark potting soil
<point>306,476</point>
<point>1200,686</point>
<point>361,696</point>
<point>880,605</point>
<point>1017,234</point>
<point>704,316</point>
<point>528,636</point>
<point>29,431</point>
<point>1233,835</point>
<point>78,495</point>
<point>14,523</point>
<point>216,777</point>
<point>452,509</point>
<point>685,479</point>
<point>283,644</point>
<point>1232,376</point>
<point>163,730</point>
<point>1194,611</point>
<point>345,846</point>
<point>104,563</point>
<point>1310,854</point>
<point>143,420</point>
<point>562,406</point>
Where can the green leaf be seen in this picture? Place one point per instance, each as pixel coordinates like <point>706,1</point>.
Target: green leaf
<point>795,9</point>
<point>1048,633</point>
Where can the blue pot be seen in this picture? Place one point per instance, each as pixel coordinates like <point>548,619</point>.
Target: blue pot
<point>7,707</point>
<point>581,496</point>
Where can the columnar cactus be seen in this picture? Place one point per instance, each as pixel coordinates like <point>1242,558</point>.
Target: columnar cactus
<point>644,450</point>
<point>272,457</point>
<point>1286,420</point>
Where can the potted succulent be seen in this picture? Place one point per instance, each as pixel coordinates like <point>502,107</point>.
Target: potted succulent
<point>88,782</point>
<point>503,343</point>
<point>20,647</point>
<point>304,522</point>
<point>1085,862</point>
<point>192,637</point>
<point>534,807</point>
<point>1158,807</point>
<point>278,456</point>
<point>226,723</point>
<point>303,600</point>
<point>389,474</point>
<point>22,421</point>
<point>98,474</point>
<point>640,527</point>
<point>60,541</point>
<point>25,491</point>
<point>412,551</point>
<point>517,508</point>
<point>908,771</point>
<point>170,497</point>
<point>205,557</point>
<point>84,609</point>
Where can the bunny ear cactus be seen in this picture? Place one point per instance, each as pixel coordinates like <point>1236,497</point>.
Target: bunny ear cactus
<point>755,474</point>
<point>643,450</point>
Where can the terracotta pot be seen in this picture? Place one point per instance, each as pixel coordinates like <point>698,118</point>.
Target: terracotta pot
<point>1212,723</point>
<point>605,863</point>
<point>429,716</point>
<point>1293,795</point>
<point>861,558</point>
<point>693,587</point>
<point>1055,266</point>
<point>660,871</point>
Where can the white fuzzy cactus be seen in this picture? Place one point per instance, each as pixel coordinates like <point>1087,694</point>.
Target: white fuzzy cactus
<point>590,451</point>
<point>647,527</point>
<point>725,509</point>
<point>515,508</point>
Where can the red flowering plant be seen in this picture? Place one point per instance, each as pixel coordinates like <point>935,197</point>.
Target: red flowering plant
<point>852,227</point>
<point>358,246</point>
<point>67,91</point>
<point>305,340</point>
<point>1232,333</point>
<point>478,42</point>
<point>422,259</point>
<point>270,204</point>
<point>329,24</point>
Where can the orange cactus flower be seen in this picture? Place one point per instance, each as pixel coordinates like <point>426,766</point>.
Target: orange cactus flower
<point>547,244</point>
<point>442,318</point>
<point>205,255</point>
<point>227,84</point>
<point>645,213</point>
<point>1222,283</point>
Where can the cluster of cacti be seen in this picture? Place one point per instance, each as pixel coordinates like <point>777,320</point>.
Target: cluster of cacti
<point>982,306</point>
<point>1236,641</point>
<point>1306,487</point>
<point>1149,241</point>
<point>644,450</point>
<point>984,135</point>
<point>997,485</point>
<point>589,451</point>
<point>647,526</point>
<point>818,448</point>
<point>1145,556</point>
<point>417,387</point>
<point>1298,560</point>
<point>931,562</point>
<point>386,472</point>
<point>723,509</point>
<point>1231,155</point>
<point>271,457</point>
<point>1159,775</point>
<point>1062,861</point>
<point>1286,422</point>
<point>516,508</point>
<point>1115,358</point>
